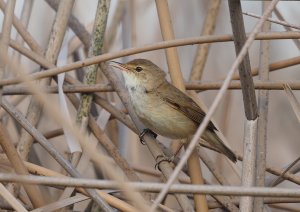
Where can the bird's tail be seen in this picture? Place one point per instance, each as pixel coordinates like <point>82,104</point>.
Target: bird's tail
<point>213,139</point>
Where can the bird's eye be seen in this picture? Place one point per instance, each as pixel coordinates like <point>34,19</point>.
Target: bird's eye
<point>139,69</point>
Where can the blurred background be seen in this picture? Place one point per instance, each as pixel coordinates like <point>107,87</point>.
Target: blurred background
<point>138,26</point>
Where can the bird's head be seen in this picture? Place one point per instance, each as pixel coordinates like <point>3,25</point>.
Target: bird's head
<point>141,72</point>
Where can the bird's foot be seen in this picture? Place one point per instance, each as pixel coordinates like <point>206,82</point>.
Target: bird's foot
<point>162,158</point>
<point>143,133</point>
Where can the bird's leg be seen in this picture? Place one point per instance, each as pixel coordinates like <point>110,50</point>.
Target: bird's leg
<point>143,133</point>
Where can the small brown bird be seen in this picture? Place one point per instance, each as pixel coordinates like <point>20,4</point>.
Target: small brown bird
<point>163,108</point>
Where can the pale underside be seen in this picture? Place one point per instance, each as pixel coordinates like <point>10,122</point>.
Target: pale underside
<point>158,116</point>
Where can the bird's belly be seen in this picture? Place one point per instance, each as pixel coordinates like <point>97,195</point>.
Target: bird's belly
<point>163,119</point>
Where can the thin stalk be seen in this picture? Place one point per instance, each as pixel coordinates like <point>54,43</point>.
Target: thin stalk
<point>212,109</point>
<point>78,28</point>
<point>108,145</point>
<point>25,16</point>
<point>249,99</point>
<point>82,115</point>
<point>287,28</point>
<point>267,200</point>
<point>154,187</point>
<point>4,44</point>
<point>177,79</point>
<point>151,143</point>
<point>5,37</point>
<point>23,32</point>
<point>33,192</point>
<point>91,74</point>
<point>283,23</point>
<point>112,30</point>
<point>150,47</point>
<point>202,50</point>
<point>263,103</point>
<point>39,170</point>
<point>34,110</point>
<point>199,87</point>
<point>15,204</point>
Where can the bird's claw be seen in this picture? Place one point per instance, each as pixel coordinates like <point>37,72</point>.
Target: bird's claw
<point>143,133</point>
<point>162,158</point>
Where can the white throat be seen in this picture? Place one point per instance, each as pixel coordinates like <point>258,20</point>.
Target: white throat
<point>130,80</point>
<point>135,88</point>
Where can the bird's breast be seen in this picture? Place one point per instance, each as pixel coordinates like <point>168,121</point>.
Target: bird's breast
<point>159,116</point>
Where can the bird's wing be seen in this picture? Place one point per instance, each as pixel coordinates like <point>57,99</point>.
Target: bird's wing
<point>180,101</point>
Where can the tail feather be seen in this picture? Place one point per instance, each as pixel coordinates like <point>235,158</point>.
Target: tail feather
<point>213,139</point>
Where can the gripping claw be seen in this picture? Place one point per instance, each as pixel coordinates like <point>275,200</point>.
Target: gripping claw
<point>142,134</point>
<point>160,159</point>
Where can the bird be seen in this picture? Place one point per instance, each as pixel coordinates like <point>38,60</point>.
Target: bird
<point>164,109</point>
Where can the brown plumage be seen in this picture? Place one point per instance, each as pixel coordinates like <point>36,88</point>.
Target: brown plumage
<point>163,108</point>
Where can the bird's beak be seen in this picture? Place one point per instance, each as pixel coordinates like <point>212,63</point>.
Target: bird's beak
<point>118,65</point>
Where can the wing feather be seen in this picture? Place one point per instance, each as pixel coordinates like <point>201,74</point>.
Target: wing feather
<point>184,104</point>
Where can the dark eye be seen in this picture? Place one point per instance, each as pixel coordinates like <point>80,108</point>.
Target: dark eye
<point>139,69</point>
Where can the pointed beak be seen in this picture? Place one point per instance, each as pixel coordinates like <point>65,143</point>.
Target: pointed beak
<point>118,65</point>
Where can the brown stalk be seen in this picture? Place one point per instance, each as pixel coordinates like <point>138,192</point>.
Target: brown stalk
<point>8,20</point>
<point>292,168</point>
<point>196,74</point>
<point>284,208</point>
<point>267,200</point>
<point>107,144</point>
<point>280,17</point>
<point>238,29</point>
<point>249,99</point>
<point>283,23</point>
<point>263,84</point>
<point>15,204</point>
<point>52,52</point>
<point>151,143</point>
<point>235,84</point>
<point>34,110</point>
<point>23,32</point>
<point>93,125</point>
<point>198,67</point>
<point>199,87</point>
<point>53,133</point>
<point>43,62</point>
<point>33,191</point>
<point>149,47</point>
<point>279,178</point>
<point>102,137</point>
<point>177,79</point>
<point>5,37</point>
<point>74,24</point>
<point>112,30</point>
<point>91,74</point>
<point>213,107</point>
<point>203,49</point>
<point>4,44</point>
<point>263,103</point>
<point>154,187</point>
<point>95,47</point>
<point>25,16</point>
<point>225,201</point>
<point>218,175</point>
<point>287,175</point>
<point>51,149</point>
<point>48,64</point>
<point>42,171</point>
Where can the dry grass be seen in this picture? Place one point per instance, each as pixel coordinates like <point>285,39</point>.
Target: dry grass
<point>61,138</point>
